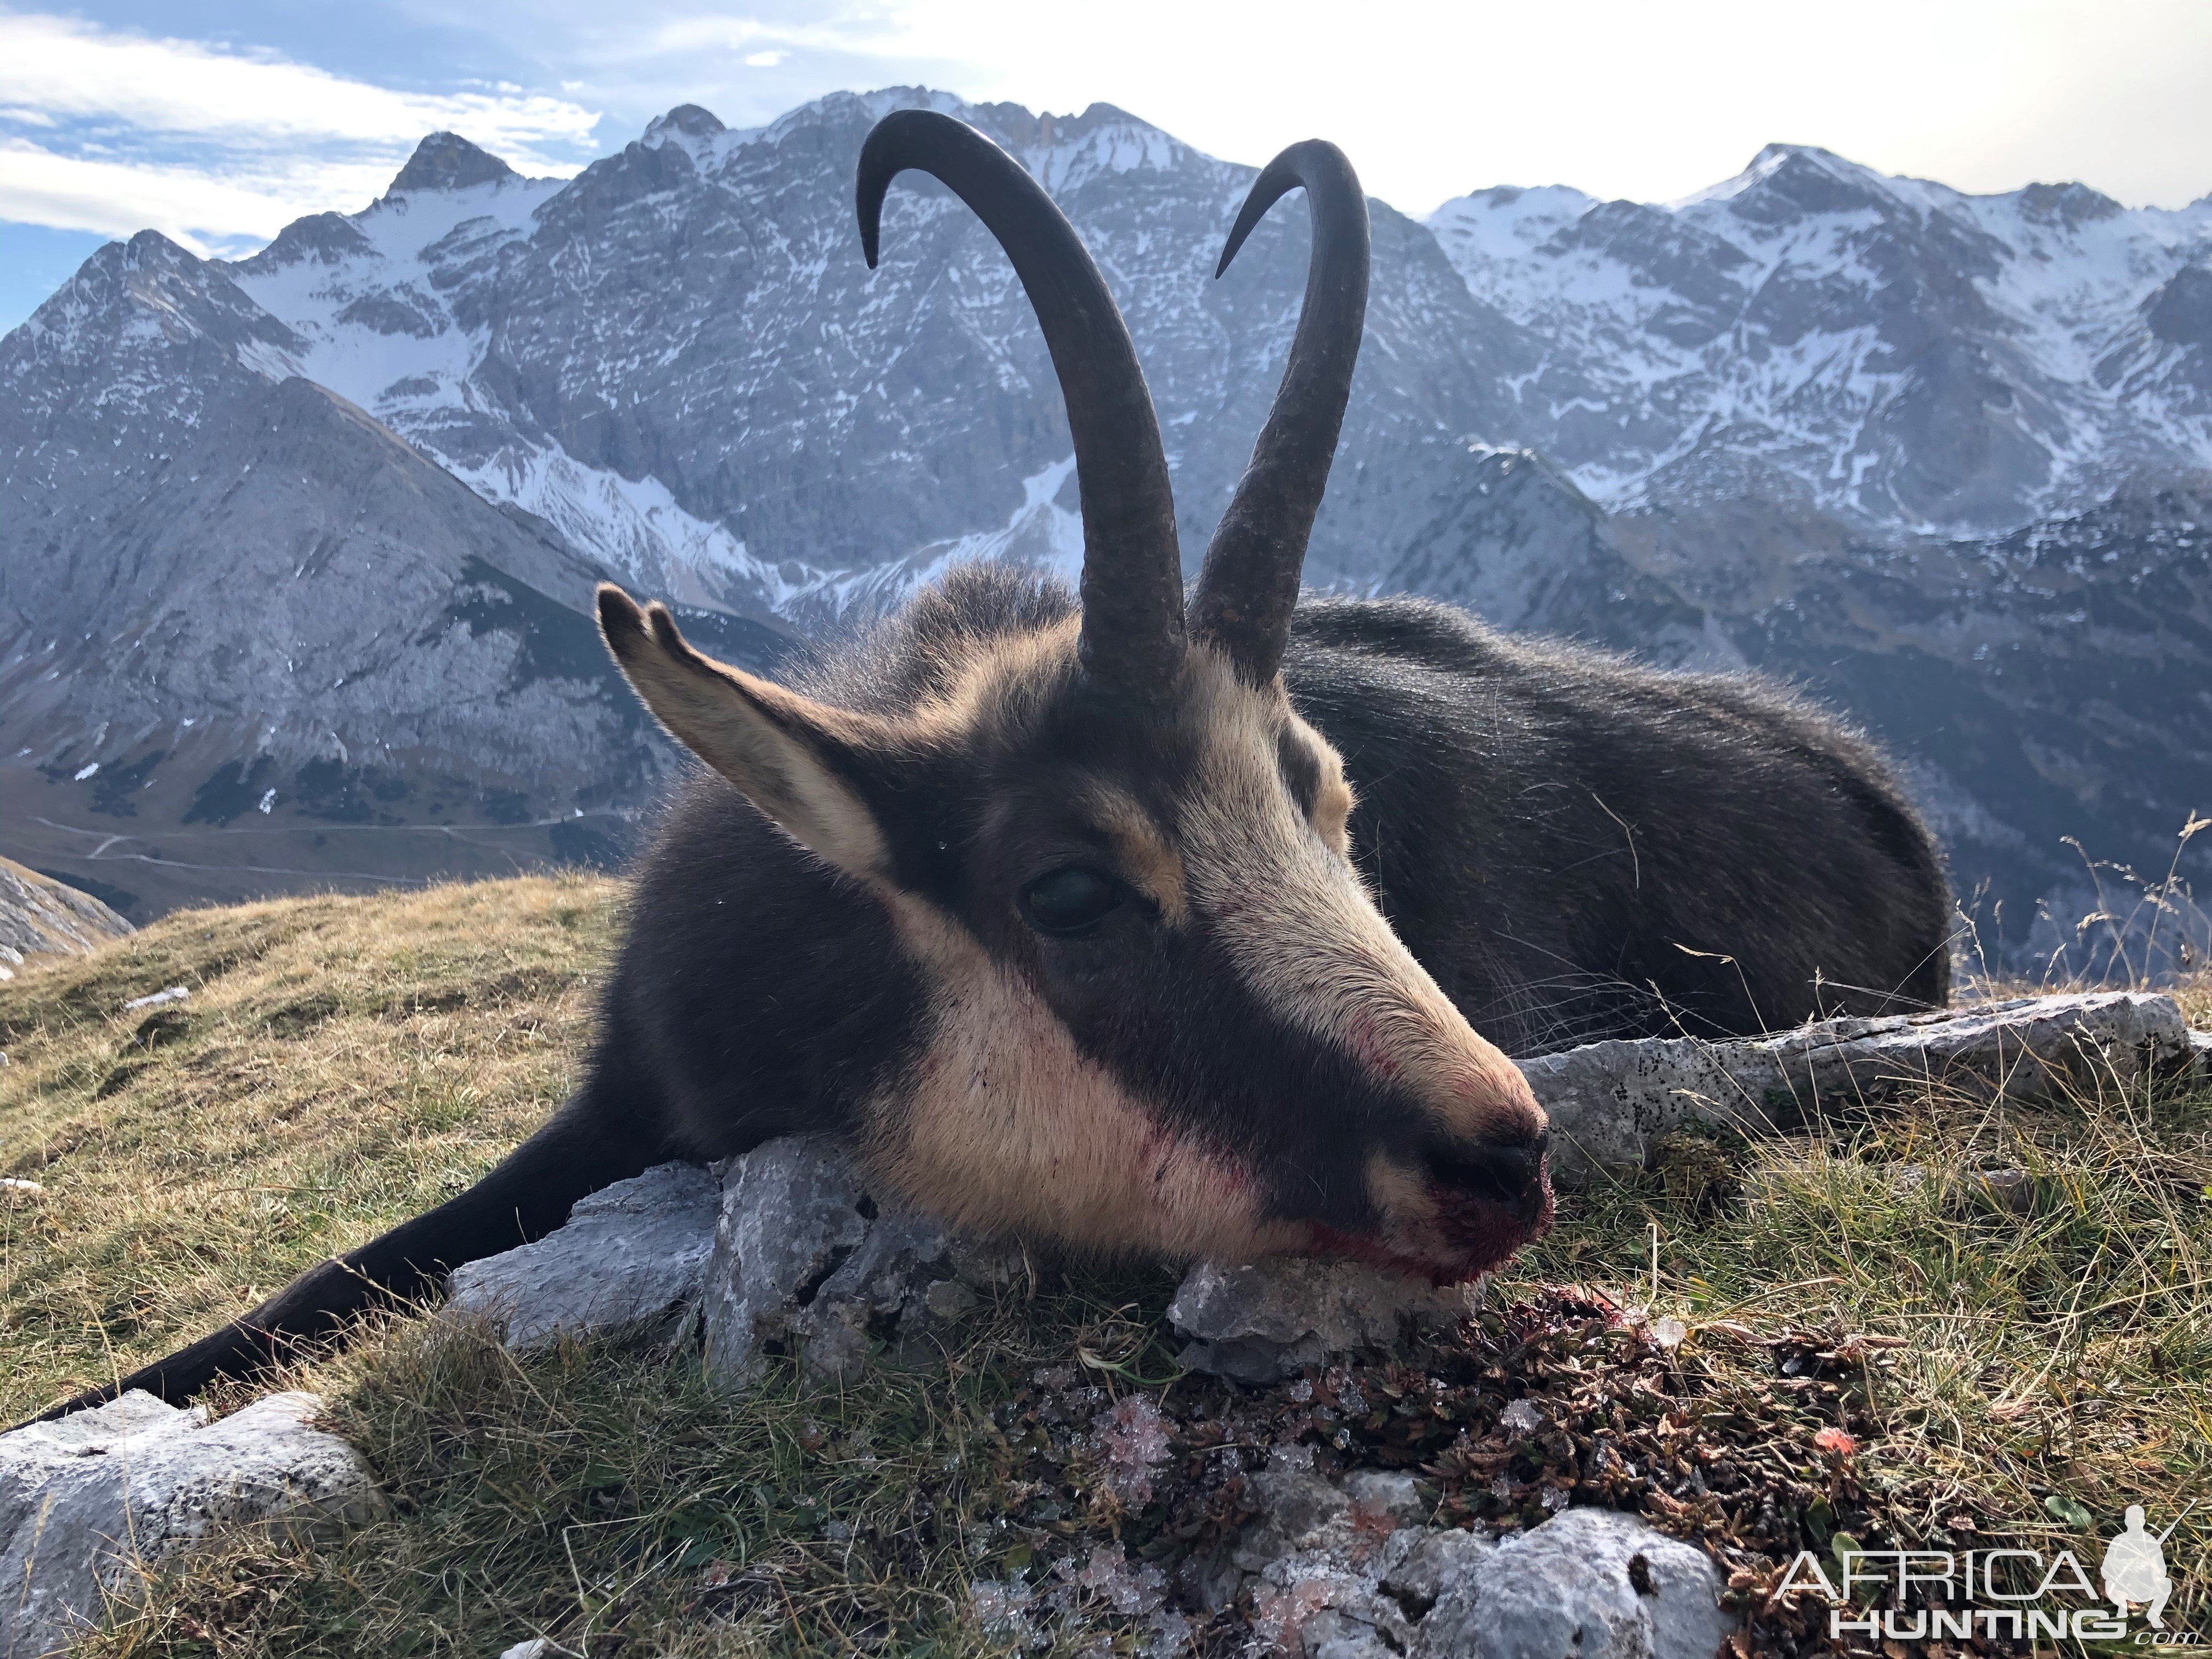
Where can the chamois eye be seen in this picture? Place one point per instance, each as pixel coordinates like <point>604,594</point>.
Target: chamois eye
<point>1070,900</point>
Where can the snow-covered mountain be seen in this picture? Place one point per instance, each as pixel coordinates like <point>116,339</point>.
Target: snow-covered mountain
<point>295,551</point>
<point>679,361</point>
<point>1891,350</point>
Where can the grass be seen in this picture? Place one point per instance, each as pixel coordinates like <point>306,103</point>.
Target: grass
<point>342,1063</point>
<point>339,1065</point>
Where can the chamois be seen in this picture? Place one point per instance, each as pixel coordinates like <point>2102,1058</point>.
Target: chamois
<point>1208,931</point>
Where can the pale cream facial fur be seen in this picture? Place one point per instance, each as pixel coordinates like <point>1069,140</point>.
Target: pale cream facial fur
<point>1293,915</point>
<point>1005,1125</point>
<point>1008,1123</point>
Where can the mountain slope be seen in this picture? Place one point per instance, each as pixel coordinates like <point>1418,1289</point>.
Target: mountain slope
<point>1910,356</point>
<point>261,594</point>
<point>680,359</point>
<point>676,370</point>
<point>295,551</point>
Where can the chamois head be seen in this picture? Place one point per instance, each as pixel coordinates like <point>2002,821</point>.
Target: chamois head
<point>1165,1013</point>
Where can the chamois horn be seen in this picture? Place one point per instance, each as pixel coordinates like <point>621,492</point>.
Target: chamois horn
<point>1249,584</point>
<point>1133,617</point>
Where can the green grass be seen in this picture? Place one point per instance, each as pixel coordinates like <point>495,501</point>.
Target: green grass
<point>344,1062</point>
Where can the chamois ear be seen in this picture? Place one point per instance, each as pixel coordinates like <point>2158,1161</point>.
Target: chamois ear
<point>799,761</point>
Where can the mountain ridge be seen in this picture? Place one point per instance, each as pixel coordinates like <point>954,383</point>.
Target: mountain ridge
<point>1653,427</point>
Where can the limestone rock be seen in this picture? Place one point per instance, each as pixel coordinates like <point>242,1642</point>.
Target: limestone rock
<point>807,1260</point>
<point>1574,1585</point>
<point>1439,1562</point>
<point>1345,1566</point>
<point>1314,1562</point>
<point>1261,1321</point>
<point>1610,1102</point>
<point>41,916</point>
<point>87,1501</point>
<point>630,1262</point>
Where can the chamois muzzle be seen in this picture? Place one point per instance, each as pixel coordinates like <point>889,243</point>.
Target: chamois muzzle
<point>1491,1200</point>
<point>1133,618</point>
<point>1461,1211</point>
<point>1249,584</point>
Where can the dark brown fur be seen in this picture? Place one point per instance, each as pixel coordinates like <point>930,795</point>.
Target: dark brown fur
<point>1102,930</point>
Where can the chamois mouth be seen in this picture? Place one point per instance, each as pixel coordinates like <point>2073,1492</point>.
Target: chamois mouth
<point>1482,1209</point>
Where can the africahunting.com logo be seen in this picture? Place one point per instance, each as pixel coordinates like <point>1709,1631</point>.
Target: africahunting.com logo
<point>2011,1594</point>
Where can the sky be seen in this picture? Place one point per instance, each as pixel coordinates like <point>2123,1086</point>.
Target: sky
<point>219,121</point>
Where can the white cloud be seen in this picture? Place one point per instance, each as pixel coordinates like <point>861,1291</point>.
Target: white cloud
<point>221,149</point>
<point>207,211</point>
<point>60,67</point>
<point>1434,97</point>
<point>1431,97</point>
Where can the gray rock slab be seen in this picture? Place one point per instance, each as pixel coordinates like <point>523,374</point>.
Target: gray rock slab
<point>1594,1584</point>
<point>1438,1562</point>
<point>1610,1102</point>
<point>1346,1567</point>
<point>631,1261</point>
<point>1315,1562</point>
<point>1261,1321</point>
<point>808,1260</point>
<point>89,1500</point>
<point>39,915</point>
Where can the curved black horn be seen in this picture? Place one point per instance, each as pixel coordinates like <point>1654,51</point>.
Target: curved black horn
<point>1133,620</point>
<point>1249,584</point>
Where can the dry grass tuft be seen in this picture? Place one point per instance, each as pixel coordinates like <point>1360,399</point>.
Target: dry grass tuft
<point>2006,1356</point>
<point>340,1065</point>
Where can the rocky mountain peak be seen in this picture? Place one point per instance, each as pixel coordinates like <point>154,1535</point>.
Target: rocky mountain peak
<point>328,239</point>
<point>1065,151</point>
<point>446,161</point>
<point>688,119</point>
<point>1787,181</point>
<point>2070,205</point>
<point>150,250</point>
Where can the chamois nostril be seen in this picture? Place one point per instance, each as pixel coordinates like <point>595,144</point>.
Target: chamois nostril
<point>1510,1176</point>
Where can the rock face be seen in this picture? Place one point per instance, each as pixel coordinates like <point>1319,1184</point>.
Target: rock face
<point>1597,1583</point>
<point>807,1262</point>
<point>2018,677</point>
<point>631,1261</point>
<point>1981,359</point>
<point>1258,1323</point>
<point>87,1501</point>
<point>1509,536</point>
<point>1348,1568</point>
<point>1610,1102</point>
<point>40,916</point>
<point>446,161</point>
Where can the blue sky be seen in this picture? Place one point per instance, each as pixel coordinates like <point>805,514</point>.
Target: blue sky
<point>218,123</point>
